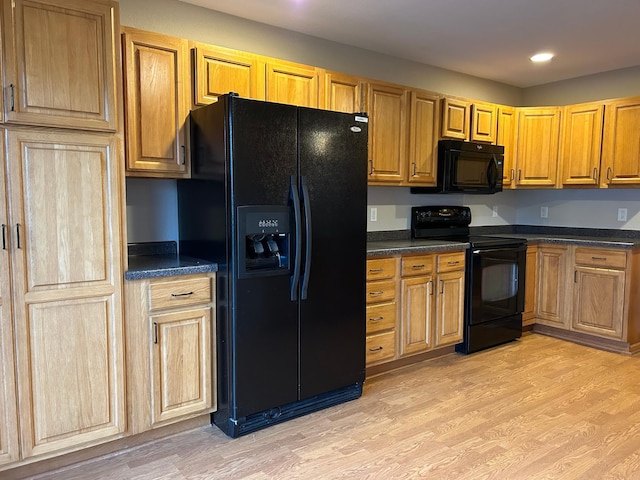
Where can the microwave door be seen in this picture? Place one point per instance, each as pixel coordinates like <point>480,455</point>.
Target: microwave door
<point>475,172</point>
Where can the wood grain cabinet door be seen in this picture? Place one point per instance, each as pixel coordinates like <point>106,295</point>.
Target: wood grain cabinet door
<point>581,144</point>
<point>60,63</point>
<point>343,93</point>
<point>423,138</point>
<point>449,308</point>
<point>181,364</point>
<point>67,289</point>
<point>538,138</point>
<point>455,118</point>
<point>417,314</point>
<point>220,70</point>
<point>552,272</point>
<point>156,104</point>
<point>483,122</point>
<point>506,135</point>
<point>292,83</point>
<point>621,143</point>
<point>8,419</point>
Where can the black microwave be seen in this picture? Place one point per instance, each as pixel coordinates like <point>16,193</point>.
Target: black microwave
<point>467,167</point>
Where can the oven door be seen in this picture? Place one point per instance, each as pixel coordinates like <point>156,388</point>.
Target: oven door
<point>496,282</point>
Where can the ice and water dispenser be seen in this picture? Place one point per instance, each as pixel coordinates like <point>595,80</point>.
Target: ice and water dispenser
<point>264,238</point>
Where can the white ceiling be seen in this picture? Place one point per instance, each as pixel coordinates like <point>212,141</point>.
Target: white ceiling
<point>492,39</point>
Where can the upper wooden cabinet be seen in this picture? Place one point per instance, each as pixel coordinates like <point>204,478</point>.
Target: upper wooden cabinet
<point>455,118</point>
<point>156,103</point>
<point>424,112</point>
<point>581,143</point>
<point>343,93</point>
<point>537,148</point>
<point>386,105</point>
<point>507,136</point>
<point>218,70</point>
<point>60,63</point>
<point>292,83</point>
<point>621,143</point>
<point>483,122</point>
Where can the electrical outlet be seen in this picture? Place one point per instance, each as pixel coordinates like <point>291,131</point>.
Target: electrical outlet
<point>544,212</point>
<point>622,214</point>
<point>494,211</point>
<point>374,214</point>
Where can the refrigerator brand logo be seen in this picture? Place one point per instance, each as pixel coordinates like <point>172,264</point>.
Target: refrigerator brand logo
<point>356,129</point>
<point>267,223</point>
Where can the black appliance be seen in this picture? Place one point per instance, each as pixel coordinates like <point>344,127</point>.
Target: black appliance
<point>467,167</point>
<point>494,276</point>
<point>278,198</point>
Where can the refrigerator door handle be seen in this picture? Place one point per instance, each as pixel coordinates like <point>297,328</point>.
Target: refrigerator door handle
<point>306,201</point>
<point>297,213</point>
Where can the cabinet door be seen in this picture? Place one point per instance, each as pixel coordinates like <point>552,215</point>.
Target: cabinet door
<point>181,364</point>
<point>292,83</point>
<point>220,70</point>
<point>538,137</point>
<point>417,314</point>
<point>455,118</point>
<point>449,308</point>
<point>60,63</point>
<point>581,144</point>
<point>598,301</point>
<point>8,419</point>
<point>621,143</point>
<point>530,285</point>
<point>483,122</point>
<point>506,135</point>
<point>387,108</point>
<point>156,96</point>
<point>423,138</point>
<point>67,280</point>
<point>552,262</point>
<point>343,93</point>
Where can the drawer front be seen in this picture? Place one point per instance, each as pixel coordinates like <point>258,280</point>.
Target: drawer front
<point>421,265</point>
<point>179,293</point>
<point>601,257</point>
<point>381,268</point>
<point>378,292</point>
<point>449,262</point>
<point>381,346</point>
<point>381,317</point>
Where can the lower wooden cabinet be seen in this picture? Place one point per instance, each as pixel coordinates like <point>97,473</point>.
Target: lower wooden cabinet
<point>171,349</point>
<point>530,286</point>
<point>553,262</point>
<point>415,304</point>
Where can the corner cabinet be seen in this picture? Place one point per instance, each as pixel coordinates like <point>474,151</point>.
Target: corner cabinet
<point>171,349</point>
<point>63,235</point>
<point>537,148</point>
<point>156,103</point>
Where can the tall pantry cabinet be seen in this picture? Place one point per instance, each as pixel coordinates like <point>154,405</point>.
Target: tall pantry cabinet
<point>61,337</point>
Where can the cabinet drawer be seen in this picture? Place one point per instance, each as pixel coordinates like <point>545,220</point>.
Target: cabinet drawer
<point>179,293</point>
<point>381,346</point>
<point>378,292</point>
<point>381,317</point>
<point>417,265</point>
<point>600,257</point>
<point>449,262</point>
<point>381,268</point>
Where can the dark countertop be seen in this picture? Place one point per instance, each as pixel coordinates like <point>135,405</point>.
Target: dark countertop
<point>399,246</point>
<point>160,259</point>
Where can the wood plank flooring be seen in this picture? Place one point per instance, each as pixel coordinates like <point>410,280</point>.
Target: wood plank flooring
<point>538,408</point>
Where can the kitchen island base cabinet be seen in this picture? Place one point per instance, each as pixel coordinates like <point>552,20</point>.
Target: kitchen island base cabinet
<point>170,349</point>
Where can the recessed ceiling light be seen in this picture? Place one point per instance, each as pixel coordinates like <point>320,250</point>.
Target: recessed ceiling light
<point>541,57</point>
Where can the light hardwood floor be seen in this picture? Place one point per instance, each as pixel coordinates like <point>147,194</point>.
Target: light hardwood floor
<point>538,408</point>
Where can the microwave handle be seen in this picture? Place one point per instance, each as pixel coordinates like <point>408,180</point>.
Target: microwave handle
<point>492,172</point>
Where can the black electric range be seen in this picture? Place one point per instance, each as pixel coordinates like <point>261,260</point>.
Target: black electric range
<point>494,276</point>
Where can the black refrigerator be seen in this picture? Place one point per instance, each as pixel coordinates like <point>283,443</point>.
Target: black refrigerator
<point>278,199</point>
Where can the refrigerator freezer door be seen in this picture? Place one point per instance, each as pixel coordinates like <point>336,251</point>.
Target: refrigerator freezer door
<point>333,163</point>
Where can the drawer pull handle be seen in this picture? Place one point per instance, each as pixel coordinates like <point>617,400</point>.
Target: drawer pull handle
<point>453,263</point>
<point>376,294</point>
<point>377,349</point>
<point>376,319</point>
<point>376,270</point>
<point>181,294</point>
<point>599,258</point>
<point>417,267</point>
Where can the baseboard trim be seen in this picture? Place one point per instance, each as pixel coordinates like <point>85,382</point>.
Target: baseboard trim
<point>610,345</point>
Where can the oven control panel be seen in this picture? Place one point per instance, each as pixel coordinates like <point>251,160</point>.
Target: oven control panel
<point>439,216</point>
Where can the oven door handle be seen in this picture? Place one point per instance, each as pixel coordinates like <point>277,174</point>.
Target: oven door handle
<point>499,250</point>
